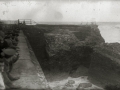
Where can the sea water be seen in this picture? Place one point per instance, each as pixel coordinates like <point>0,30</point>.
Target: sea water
<point>110,33</point>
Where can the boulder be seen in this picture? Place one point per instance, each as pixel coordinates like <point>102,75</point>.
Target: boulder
<point>84,85</point>
<point>105,65</point>
<point>71,81</point>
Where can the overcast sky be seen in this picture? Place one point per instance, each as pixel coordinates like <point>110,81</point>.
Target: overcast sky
<point>61,10</point>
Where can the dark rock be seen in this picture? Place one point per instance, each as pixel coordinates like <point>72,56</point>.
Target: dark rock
<point>105,65</point>
<point>71,81</point>
<point>84,85</point>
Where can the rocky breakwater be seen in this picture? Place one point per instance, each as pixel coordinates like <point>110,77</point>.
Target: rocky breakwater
<point>78,51</point>
<point>70,51</point>
<point>105,65</point>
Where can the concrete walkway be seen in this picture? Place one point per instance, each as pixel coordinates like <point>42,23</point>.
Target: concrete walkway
<point>27,67</point>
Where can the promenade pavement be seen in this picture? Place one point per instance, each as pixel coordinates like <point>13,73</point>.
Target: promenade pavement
<point>28,68</point>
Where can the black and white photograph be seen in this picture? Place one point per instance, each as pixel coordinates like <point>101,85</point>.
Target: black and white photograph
<point>59,44</point>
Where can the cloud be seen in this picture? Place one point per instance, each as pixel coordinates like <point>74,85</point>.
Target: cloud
<point>61,11</point>
<point>52,12</point>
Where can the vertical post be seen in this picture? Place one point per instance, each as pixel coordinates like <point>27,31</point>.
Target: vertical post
<point>30,21</point>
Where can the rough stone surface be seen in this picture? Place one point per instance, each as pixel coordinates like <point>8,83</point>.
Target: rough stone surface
<point>71,81</point>
<point>75,46</point>
<point>105,65</point>
<point>84,85</point>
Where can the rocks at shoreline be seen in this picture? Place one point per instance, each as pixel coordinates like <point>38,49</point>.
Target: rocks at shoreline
<point>83,86</point>
<point>75,48</point>
<point>105,65</point>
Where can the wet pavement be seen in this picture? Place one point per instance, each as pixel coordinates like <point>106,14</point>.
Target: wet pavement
<point>28,68</point>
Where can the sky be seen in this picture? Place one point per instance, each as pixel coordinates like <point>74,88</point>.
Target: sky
<point>61,10</point>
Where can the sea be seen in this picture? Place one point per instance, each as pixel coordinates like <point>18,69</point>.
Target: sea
<point>110,32</point>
